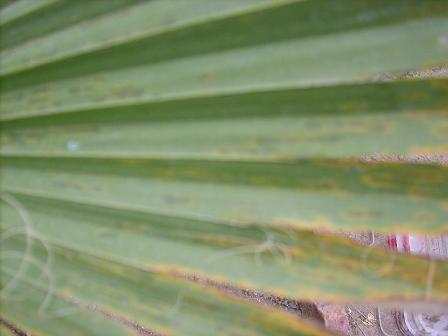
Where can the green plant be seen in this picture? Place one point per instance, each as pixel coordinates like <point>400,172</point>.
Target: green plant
<point>145,140</point>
